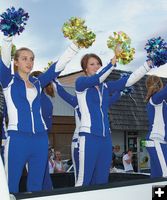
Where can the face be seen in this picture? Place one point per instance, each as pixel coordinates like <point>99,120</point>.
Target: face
<point>92,66</point>
<point>25,62</point>
<point>117,148</point>
<point>130,153</point>
<point>58,155</point>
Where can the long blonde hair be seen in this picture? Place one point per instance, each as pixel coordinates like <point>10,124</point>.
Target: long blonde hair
<point>17,54</point>
<point>153,85</point>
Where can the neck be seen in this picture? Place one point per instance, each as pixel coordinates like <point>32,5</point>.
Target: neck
<point>24,76</point>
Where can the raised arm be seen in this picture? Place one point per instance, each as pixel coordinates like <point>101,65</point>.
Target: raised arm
<point>139,73</point>
<point>128,81</point>
<point>6,50</point>
<point>56,68</point>
<point>5,61</point>
<point>70,99</point>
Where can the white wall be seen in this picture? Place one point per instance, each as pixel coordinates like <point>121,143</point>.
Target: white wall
<point>60,107</point>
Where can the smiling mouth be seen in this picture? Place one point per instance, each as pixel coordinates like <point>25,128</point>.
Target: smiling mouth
<point>29,67</point>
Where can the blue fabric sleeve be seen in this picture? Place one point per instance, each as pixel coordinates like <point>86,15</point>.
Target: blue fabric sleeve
<point>85,82</point>
<point>117,85</point>
<point>48,76</point>
<point>160,96</point>
<point>114,98</point>
<point>69,98</point>
<point>5,74</point>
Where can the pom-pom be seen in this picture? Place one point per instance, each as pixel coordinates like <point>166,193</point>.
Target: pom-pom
<point>12,21</point>
<point>157,51</point>
<point>76,30</point>
<point>122,41</point>
<point>127,90</point>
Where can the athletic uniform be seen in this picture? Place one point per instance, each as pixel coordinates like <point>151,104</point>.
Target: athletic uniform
<point>156,139</point>
<point>95,152</point>
<point>72,100</point>
<point>27,140</point>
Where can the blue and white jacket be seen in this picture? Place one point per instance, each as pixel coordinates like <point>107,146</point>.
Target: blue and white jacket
<point>72,100</point>
<point>93,101</point>
<point>157,115</point>
<point>22,116</point>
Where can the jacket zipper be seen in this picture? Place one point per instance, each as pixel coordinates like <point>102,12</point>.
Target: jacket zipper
<point>32,116</point>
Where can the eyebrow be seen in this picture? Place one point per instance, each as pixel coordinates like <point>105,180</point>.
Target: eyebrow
<point>27,57</point>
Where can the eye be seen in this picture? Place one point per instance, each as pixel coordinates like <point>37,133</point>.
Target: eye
<point>32,59</point>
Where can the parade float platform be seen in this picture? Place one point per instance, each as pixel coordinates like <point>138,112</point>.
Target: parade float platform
<point>121,186</point>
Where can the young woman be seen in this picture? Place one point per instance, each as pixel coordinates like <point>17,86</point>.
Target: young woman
<point>156,139</point>
<point>72,100</point>
<point>27,140</point>
<point>95,147</point>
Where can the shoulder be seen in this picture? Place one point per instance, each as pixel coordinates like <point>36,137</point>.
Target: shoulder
<point>80,79</point>
<point>125,156</point>
<point>79,82</point>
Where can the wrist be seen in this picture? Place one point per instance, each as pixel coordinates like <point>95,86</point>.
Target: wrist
<point>74,47</point>
<point>147,66</point>
<point>8,38</point>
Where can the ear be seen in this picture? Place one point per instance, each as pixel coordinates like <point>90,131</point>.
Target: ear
<point>15,63</point>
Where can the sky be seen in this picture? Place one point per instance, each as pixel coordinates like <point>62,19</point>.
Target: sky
<point>140,19</point>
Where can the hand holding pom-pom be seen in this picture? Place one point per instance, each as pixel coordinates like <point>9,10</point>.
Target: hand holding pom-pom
<point>77,31</point>
<point>13,21</point>
<point>120,44</point>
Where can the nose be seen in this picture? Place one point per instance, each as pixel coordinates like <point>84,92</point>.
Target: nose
<point>97,67</point>
<point>29,62</point>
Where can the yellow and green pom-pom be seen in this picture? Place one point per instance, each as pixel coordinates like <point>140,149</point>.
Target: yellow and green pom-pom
<point>122,40</point>
<point>76,30</point>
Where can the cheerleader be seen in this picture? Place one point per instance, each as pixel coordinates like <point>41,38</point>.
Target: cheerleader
<point>27,140</point>
<point>156,139</point>
<point>72,100</point>
<point>95,144</point>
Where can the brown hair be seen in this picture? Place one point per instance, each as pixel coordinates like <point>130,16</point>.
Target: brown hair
<point>48,88</point>
<point>85,59</point>
<point>153,85</point>
<point>17,54</point>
